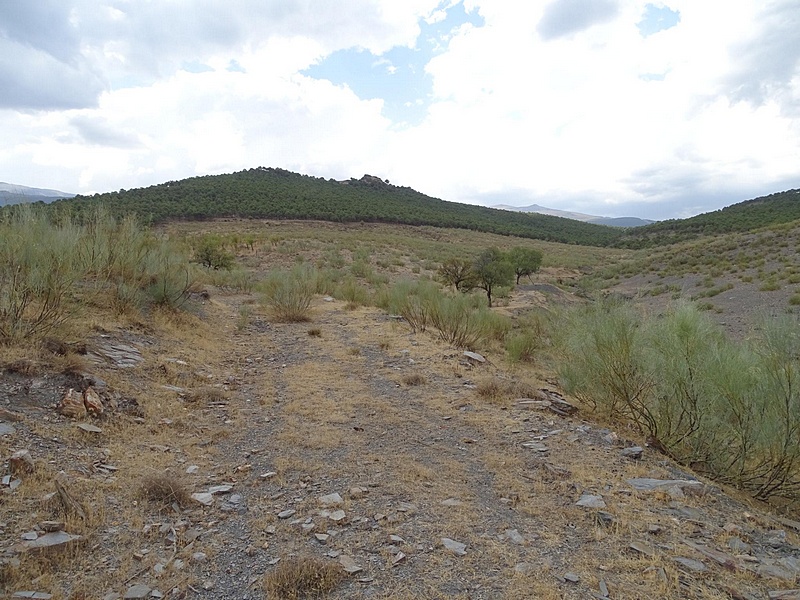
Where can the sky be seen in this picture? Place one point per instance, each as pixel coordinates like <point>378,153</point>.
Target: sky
<point>607,107</point>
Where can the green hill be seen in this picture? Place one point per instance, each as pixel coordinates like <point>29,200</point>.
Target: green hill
<point>747,216</point>
<point>280,194</point>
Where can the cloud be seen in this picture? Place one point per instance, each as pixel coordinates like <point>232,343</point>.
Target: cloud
<point>41,66</point>
<point>566,104</point>
<point>97,131</point>
<point>768,60</point>
<point>565,17</point>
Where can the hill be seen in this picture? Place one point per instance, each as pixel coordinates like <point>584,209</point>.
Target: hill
<point>744,217</point>
<point>280,194</point>
<point>610,221</point>
<point>16,194</point>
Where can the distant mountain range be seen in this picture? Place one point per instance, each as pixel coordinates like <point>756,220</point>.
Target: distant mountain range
<point>611,221</point>
<point>15,194</point>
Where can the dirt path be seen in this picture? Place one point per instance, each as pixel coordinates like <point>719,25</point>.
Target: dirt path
<point>447,486</point>
<point>353,404</point>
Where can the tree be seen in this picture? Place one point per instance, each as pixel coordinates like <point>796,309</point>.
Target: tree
<point>491,269</point>
<point>211,254</point>
<point>525,261</point>
<point>456,272</point>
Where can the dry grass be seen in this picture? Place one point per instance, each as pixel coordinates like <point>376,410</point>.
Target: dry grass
<point>164,490</point>
<point>302,577</point>
<point>413,379</point>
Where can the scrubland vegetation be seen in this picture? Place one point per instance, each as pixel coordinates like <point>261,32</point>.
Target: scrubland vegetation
<point>51,268</point>
<point>728,409</point>
<point>632,336</point>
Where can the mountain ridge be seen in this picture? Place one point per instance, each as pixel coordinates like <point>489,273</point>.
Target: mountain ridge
<point>577,216</point>
<point>12,193</point>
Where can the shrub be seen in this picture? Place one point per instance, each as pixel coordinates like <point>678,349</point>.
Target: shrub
<point>352,292</point>
<point>288,295</point>
<point>458,322</point>
<point>729,409</point>
<point>39,263</point>
<point>302,577</point>
<point>603,361</point>
<point>164,490</point>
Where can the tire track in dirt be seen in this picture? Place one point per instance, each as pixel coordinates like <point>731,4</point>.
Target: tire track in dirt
<point>331,413</point>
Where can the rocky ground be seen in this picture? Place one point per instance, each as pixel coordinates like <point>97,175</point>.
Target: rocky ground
<point>416,470</point>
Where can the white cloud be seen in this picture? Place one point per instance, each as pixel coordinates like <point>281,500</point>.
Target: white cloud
<point>529,107</point>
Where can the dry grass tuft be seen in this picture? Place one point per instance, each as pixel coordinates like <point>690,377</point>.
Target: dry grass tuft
<point>414,379</point>
<point>499,391</point>
<point>23,366</point>
<point>315,332</point>
<point>302,577</point>
<point>164,490</point>
<point>208,394</point>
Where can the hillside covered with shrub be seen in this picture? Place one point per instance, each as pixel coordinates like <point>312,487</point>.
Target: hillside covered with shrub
<point>744,217</point>
<point>280,194</point>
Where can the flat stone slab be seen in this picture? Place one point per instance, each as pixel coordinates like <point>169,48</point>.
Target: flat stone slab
<point>54,540</point>
<point>204,498</point>
<point>591,501</point>
<point>123,356</point>
<point>331,499</point>
<point>646,484</point>
<point>137,591</point>
<point>690,564</point>
<point>454,547</point>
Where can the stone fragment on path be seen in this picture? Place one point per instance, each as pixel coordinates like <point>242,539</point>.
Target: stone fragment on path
<point>690,564</point>
<point>136,592</point>
<point>285,514</point>
<point>89,428</point>
<point>647,484</point>
<point>634,452</point>
<point>333,499</point>
<point>591,501</point>
<point>349,565</point>
<point>642,548</point>
<point>56,540</point>
<point>572,577</point>
<point>36,595</point>
<point>725,560</point>
<point>784,595</point>
<point>454,547</point>
<point>514,536</point>
<point>72,405</point>
<point>474,356</point>
<point>204,498</point>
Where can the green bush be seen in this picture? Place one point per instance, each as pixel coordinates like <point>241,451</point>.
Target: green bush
<point>458,322</point>
<point>351,291</point>
<point>39,264</point>
<point>288,295</point>
<point>211,253</point>
<point>730,409</point>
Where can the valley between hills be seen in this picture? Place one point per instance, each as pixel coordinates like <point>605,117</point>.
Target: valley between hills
<point>359,452</point>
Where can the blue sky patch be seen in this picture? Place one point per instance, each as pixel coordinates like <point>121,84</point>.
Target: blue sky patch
<point>657,18</point>
<point>195,66</point>
<point>397,76</point>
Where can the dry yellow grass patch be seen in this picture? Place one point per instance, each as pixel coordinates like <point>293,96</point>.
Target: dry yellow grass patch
<point>296,578</point>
